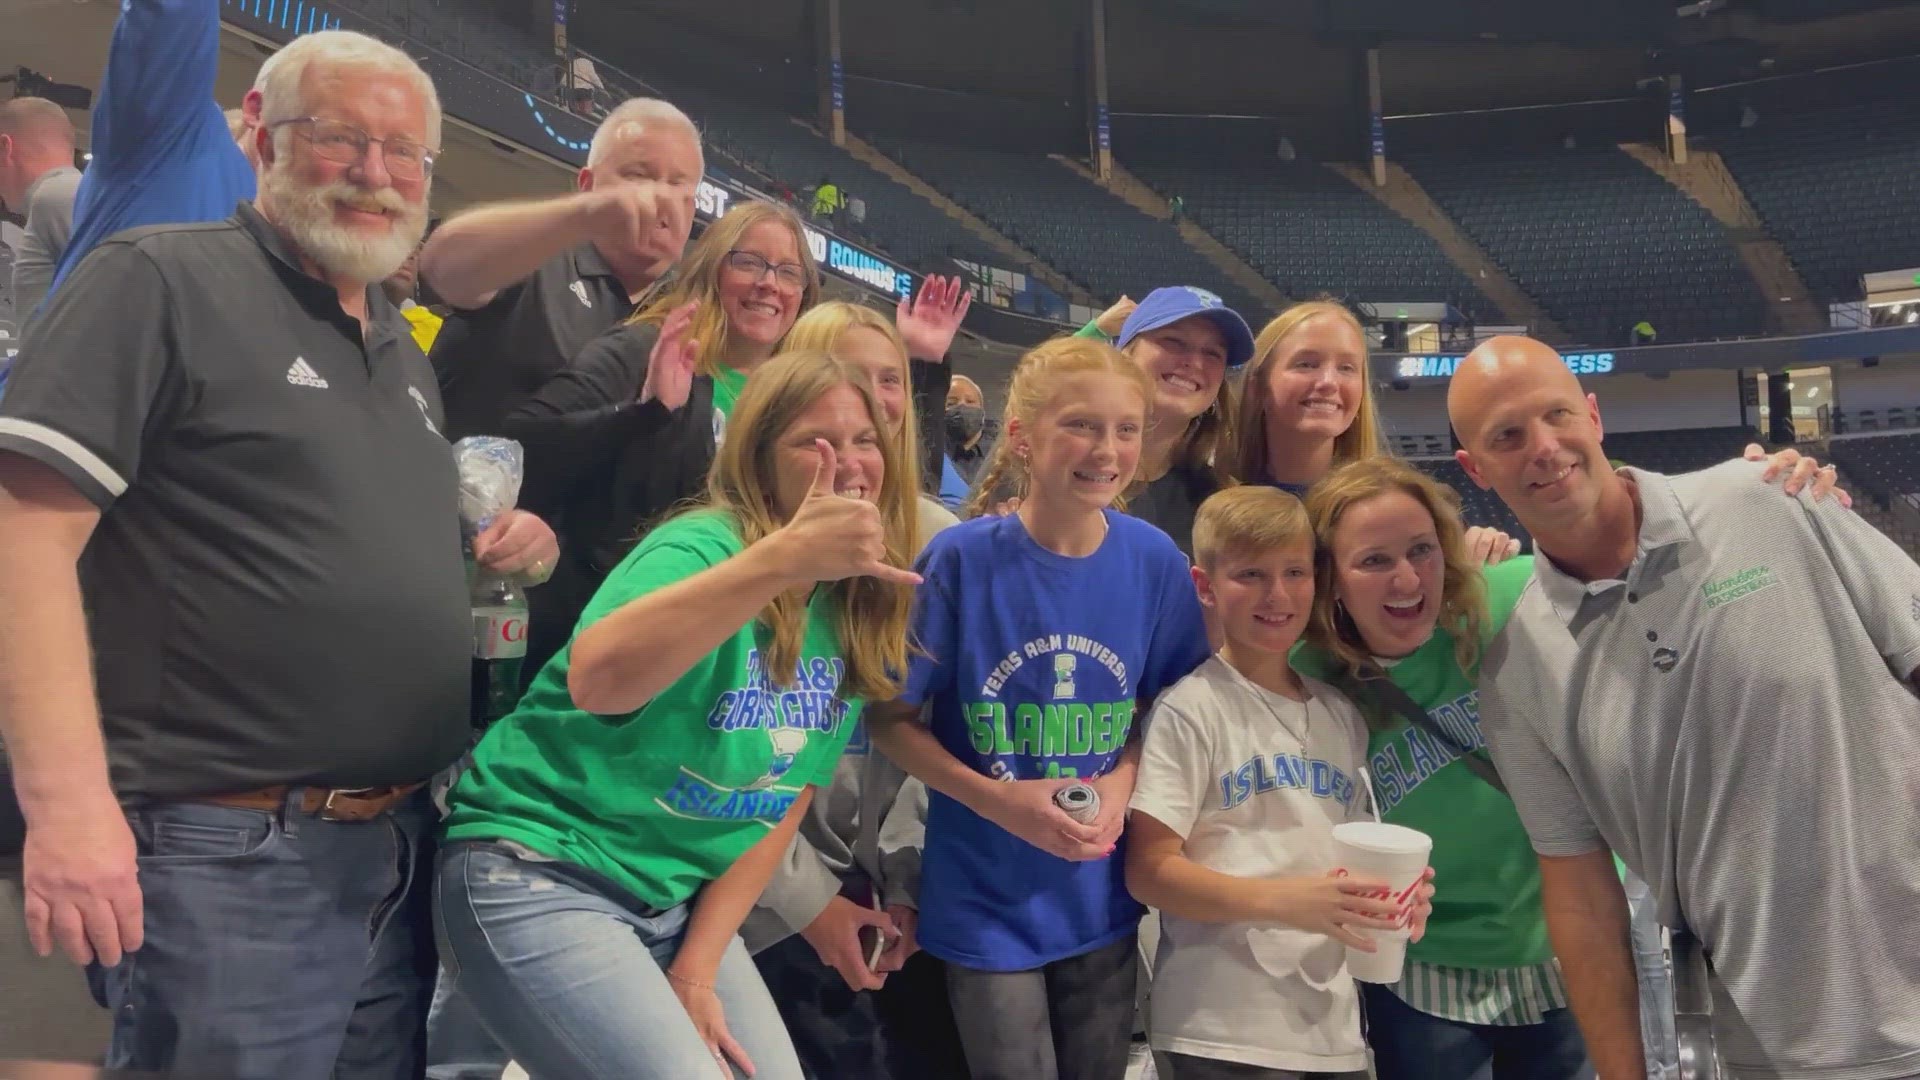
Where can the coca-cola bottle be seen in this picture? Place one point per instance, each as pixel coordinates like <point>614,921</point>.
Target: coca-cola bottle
<point>499,642</point>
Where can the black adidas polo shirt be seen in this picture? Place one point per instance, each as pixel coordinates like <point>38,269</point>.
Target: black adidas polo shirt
<point>275,591</point>
<point>492,358</point>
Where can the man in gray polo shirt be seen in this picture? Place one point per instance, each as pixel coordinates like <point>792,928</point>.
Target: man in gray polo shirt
<point>38,181</point>
<point>1717,684</point>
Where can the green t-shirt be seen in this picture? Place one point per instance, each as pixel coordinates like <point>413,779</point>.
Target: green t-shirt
<point>664,799</point>
<point>1486,902</point>
<point>727,384</point>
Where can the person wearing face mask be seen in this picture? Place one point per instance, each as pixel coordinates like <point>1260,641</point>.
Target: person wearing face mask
<point>970,431</point>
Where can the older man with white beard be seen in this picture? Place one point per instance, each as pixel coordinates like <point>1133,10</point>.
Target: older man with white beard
<point>233,612</point>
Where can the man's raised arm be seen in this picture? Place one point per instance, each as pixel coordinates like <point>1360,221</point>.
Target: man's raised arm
<point>478,253</point>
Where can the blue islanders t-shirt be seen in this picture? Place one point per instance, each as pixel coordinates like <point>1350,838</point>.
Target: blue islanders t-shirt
<point>1034,664</point>
<point>162,154</point>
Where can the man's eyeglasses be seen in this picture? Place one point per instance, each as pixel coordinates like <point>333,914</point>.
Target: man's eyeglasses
<point>790,276</point>
<point>343,144</point>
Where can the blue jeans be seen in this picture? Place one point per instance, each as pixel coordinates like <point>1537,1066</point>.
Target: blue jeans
<point>903,1031</point>
<point>458,1044</point>
<point>1656,982</point>
<point>1411,1045</point>
<point>568,972</point>
<point>277,945</point>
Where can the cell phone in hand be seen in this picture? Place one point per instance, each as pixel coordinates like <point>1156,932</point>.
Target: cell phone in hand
<point>872,943</point>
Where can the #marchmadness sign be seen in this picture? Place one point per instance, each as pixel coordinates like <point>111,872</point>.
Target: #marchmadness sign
<point>1443,366</point>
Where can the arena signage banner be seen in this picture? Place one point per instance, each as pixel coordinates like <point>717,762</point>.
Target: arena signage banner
<point>1894,343</point>
<point>1443,366</point>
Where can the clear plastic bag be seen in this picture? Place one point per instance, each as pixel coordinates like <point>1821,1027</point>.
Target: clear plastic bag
<point>490,472</point>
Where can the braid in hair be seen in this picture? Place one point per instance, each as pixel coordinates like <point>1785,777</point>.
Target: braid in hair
<point>1004,469</point>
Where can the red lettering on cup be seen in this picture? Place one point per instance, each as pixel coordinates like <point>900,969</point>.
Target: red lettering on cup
<point>1402,900</point>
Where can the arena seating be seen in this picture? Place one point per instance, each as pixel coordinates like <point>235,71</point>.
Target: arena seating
<point>1310,231</point>
<point>1686,450</point>
<point>1885,418</point>
<point>1477,507</point>
<point>1079,228</point>
<point>1888,465</point>
<point>471,32</point>
<point>898,222</point>
<point>1599,240</point>
<point>1836,187</point>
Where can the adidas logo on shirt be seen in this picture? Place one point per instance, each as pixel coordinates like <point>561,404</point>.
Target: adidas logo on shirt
<point>302,374</point>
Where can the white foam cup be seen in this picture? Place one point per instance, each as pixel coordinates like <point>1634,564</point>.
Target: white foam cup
<point>1397,856</point>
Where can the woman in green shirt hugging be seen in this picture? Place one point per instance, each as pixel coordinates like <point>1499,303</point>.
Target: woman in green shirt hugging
<point>614,830</point>
<point>1400,596</point>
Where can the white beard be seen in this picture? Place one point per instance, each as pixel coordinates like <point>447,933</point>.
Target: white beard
<point>306,213</point>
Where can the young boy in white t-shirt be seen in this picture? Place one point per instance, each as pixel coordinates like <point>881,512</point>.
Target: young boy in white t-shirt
<point>1246,769</point>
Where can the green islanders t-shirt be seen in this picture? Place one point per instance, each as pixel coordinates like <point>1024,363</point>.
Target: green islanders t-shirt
<point>663,799</point>
<point>1486,900</point>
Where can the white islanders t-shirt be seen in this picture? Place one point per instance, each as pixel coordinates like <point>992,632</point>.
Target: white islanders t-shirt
<point>1254,783</point>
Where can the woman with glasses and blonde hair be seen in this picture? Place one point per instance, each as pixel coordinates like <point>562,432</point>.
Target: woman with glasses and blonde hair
<point>626,432</point>
<point>612,833</point>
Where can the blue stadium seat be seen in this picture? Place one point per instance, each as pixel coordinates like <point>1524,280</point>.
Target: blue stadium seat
<point>1083,230</point>
<point>1599,240</point>
<point>1837,187</point>
<point>1310,231</point>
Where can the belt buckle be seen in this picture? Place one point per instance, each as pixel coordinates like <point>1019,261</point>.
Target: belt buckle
<point>326,808</point>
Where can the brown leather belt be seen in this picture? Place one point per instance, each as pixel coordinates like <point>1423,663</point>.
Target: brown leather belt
<point>338,804</point>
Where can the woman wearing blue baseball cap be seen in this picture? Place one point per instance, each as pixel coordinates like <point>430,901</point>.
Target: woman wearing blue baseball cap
<point>1187,340</point>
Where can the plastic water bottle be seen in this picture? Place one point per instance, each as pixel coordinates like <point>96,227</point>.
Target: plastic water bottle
<point>499,640</point>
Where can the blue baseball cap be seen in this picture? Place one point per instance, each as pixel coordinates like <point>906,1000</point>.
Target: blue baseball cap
<point>1163,307</point>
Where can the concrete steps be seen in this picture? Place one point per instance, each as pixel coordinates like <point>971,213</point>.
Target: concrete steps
<point>1404,196</point>
<point>1706,180</point>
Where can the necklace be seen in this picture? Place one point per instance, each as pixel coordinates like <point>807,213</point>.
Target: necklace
<point>1265,696</point>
